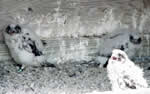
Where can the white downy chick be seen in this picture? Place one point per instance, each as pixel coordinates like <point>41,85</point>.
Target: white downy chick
<point>25,46</point>
<point>123,73</point>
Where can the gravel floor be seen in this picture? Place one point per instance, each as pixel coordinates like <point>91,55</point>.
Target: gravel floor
<point>71,78</point>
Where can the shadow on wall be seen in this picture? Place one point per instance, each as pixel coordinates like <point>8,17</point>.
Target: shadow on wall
<point>146,3</point>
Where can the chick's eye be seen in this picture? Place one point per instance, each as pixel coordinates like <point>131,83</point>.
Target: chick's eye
<point>8,28</point>
<point>121,56</point>
<point>18,28</point>
<point>119,59</point>
<point>131,37</point>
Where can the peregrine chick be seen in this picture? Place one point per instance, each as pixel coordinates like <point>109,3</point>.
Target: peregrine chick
<point>123,73</point>
<point>25,47</point>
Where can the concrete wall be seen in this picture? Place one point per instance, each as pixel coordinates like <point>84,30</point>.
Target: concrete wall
<point>83,18</point>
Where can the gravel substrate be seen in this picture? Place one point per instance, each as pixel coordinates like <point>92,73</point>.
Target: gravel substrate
<point>71,78</point>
